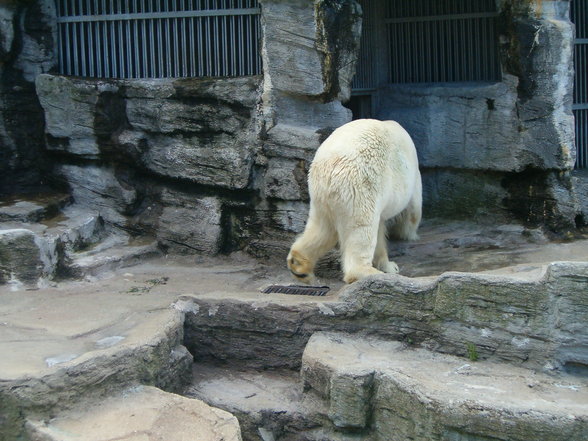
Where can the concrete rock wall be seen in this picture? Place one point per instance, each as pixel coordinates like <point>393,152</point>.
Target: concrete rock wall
<point>507,147</point>
<point>214,165</point>
<point>210,165</point>
<point>26,49</point>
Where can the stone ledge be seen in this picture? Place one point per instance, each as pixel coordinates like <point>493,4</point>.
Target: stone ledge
<point>90,358</point>
<point>509,318</point>
<point>405,393</point>
<point>140,413</point>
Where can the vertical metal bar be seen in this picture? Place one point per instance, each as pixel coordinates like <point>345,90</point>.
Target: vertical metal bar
<point>152,52</point>
<point>224,47</point>
<point>200,30</point>
<point>168,49</point>
<point>216,46</point>
<point>242,47</point>
<point>90,50</point>
<point>168,45</point>
<point>233,40</point>
<point>192,42</point>
<point>176,31</point>
<point>128,45</point>
<point>60,39</point>
<point>252,47</point>
<point>162,53</point>
<point>107,40</point>
<point>136,47</point>
<point>68,51</point>
<point>83,47</point>
<point>144,49</point>
<point>121,50</point>
<point>208,48</point>
<point>97,34</point>
<point>76,63</point>
<point>184,46</point>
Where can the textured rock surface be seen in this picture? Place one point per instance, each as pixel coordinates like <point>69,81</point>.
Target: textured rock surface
<point>199,130</point>
<point>26,49</point>
<point>487,150</point>
<point>408,393</point>
<point>580,181</point>
<point>71,346</point>
<point>463,126</point>
<point>32,209</point>
<point>507,318</point>
<point>44,239</point>
<point>269,404</point>
<point>84,342</point>
<point>21,257</point>
<point>141,413</point>
<point>187,224</point>
<point>461,130</point>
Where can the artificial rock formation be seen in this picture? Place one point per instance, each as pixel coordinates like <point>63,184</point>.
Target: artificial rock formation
<point>237,150</point>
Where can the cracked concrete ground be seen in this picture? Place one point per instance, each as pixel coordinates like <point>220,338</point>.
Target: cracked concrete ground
<point>54,329</point>
<point>44,328</point>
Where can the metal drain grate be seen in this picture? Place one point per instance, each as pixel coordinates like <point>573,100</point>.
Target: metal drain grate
<point>300,290</point>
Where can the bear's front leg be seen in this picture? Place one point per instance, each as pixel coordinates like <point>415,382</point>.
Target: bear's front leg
<point>358,243</point>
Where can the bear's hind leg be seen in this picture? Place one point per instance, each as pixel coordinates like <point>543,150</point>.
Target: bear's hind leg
<point>381,260</point>
<point>358,244</point>
<point>405,225</point>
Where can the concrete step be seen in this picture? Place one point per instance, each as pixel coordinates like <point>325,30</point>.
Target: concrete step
<point>269,405</point>
<point>529,316</point>
<point>76,345</point>
<point>140,413</point>
<point>389,391</point>
<point>116,251</point>
<point>39,243</point>
<point>35,239</point>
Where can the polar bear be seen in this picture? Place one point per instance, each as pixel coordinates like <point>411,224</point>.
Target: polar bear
<point>363,175</point>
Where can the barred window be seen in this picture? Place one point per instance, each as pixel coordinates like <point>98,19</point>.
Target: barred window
<point>158,38</point>
<point>432,41</point>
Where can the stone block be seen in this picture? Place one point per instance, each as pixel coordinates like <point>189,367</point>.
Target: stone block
<point>221,160</point>
<point>350,396</point>
<point>459,127</point>
<point>454,194</point>
<point>286,179</point>
<point>99,189</point>
<point>318,59</point>
<point>140,413</point>
<point>187,106</point>
<point>21,261</point>
<point>70,113</point>
<point>290,58</point>
<point>411,393</point>
<point>37,50</point>
<point>6,30</point>
<point>290,216</point>
<point>291,141</point>
<point>580,185</point>
<point>302,112</point>
<point>188,225</point>
<point>569,282</point>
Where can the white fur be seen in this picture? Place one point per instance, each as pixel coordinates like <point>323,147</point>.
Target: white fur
<point>364,174</point>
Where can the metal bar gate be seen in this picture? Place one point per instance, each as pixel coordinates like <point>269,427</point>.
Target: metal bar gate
<point>435,41</point>
<point>432,41</point>
<point>158,38</point>
<point>579,16</point>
